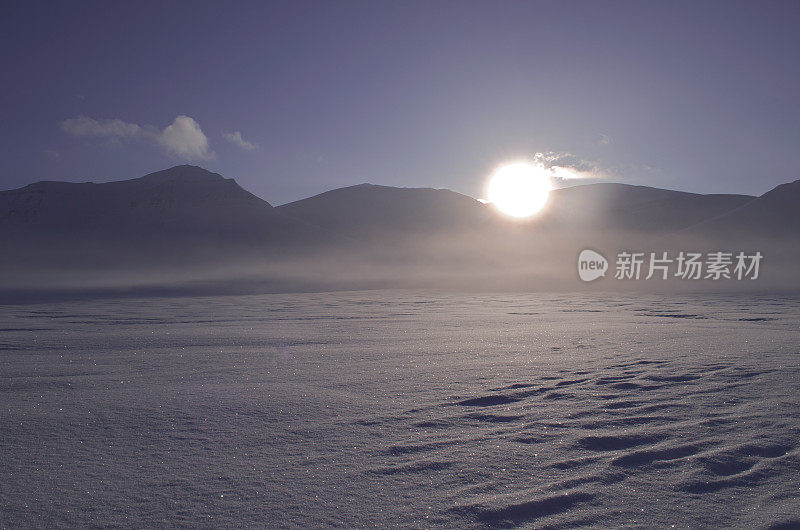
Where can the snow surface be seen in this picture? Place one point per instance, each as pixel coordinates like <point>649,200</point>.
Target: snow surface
<point>401,409</point>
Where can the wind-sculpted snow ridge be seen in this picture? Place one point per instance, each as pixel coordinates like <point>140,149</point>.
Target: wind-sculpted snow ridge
<point>684,434</point>
<point>401,409</point>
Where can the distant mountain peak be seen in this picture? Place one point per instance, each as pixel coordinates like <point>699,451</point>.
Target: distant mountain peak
<point>182,173</point>
<point>783,190</point>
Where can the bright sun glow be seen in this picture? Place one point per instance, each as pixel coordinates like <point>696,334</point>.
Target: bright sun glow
<point>519,190</point>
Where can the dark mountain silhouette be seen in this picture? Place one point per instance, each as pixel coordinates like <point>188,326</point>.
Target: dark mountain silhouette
<point>370,211</point>
<point>182,213</point>
<point>382,214</point>
<point>769,224</point>
<point>184,198</point>
<point>611,206</point>
<point>186,219</point>
<point>775,214</point>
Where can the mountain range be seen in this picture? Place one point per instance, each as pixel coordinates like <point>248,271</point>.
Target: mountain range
<point>185,221</point>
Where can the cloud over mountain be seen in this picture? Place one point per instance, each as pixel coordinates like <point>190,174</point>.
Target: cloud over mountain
<point>88,127</point>
<point>236,139</point>
<point>183,137</point>
<point>566,166</point>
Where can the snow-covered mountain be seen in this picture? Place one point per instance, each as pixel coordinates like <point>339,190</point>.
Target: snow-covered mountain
<point>187,219</point>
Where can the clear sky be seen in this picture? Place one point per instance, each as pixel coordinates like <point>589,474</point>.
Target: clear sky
<point>295,98</point>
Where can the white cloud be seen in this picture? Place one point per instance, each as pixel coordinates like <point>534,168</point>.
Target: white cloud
<point>183,137</point>
<point>83,126</point>
<point>236,139</point>
<point>566,166</point>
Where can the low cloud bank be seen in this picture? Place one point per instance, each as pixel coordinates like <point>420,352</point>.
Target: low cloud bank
<point>183,137</point>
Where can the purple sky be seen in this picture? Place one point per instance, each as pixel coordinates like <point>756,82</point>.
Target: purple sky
<point>698,96</point>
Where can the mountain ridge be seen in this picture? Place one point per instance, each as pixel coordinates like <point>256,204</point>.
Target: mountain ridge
<point>190,221</point>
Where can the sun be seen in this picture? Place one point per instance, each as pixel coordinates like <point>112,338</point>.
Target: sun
<point>519,190</point>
